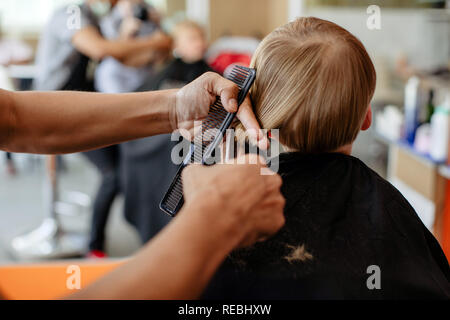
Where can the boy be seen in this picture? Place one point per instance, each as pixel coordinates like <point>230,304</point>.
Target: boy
<point>189,49</point>
<point>349,234</point>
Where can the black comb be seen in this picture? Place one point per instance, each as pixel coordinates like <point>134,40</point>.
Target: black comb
<point>205,144</point>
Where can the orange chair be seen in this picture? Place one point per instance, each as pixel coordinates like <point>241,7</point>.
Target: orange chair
<point>49,281</point>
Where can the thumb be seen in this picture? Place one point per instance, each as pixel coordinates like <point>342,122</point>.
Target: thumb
<point>227,91</point>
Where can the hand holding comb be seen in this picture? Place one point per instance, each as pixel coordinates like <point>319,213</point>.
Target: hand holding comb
<point>217,121</point>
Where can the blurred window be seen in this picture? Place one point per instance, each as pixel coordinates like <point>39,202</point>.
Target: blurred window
<point>30,16</point>
<point>27,16</point>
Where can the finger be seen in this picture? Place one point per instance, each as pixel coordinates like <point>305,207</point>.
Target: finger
<point>190,172</point>
<point>227,91</point>
<point>248,119</point>
<point>272,220</point>
<point>250,159</point>
<point>188,134</point>
<point>273,182</point>
<point>274,224</point>
<point>274,203</point>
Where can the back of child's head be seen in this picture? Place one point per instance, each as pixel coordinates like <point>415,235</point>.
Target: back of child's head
<point>314,82</point>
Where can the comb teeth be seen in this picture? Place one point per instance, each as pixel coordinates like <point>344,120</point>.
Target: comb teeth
<point>174,196</point>
<point>214,120</point>
<point>239,75</point>
<point>218,119</point>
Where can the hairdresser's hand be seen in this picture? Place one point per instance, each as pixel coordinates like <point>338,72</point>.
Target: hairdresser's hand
<point>193,102</point>
<point>236,198</point>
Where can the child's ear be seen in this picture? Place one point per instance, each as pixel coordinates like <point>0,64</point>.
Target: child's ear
<point>367,120</point>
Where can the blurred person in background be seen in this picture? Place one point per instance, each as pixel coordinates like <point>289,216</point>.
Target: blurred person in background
<point>65,50</point>
<point>70,41</point>
<point>147,167</point>
<point>129,19</point>
<point>12,51</point>
<point>190,46</point>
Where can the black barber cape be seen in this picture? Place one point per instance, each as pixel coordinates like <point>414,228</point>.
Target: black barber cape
<point>349,234</point>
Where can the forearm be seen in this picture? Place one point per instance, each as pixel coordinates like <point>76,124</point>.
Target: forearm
<point>123,49</point>
<point>44,122</point>
<point>177,264</point>
<point>92,44</point>
<point>141,58</point>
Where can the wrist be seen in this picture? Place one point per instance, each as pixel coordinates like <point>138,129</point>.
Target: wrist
<point>172,109</point>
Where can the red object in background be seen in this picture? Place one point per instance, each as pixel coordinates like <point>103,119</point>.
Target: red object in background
<point>221,62</point>
<point>96,254</point>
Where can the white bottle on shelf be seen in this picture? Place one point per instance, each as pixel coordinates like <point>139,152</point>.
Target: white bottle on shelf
<point>412,106</point>
<point>440,132</point>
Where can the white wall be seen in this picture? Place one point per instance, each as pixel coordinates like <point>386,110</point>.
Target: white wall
<point>27,16</point>
<point>19,17</point>
<point>423,35</point>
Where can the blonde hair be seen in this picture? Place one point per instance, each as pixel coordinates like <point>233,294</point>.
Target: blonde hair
<point>314,83</point>
<point>187,24</point>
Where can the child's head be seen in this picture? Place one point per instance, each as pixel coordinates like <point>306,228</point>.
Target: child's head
<point>314,82</point>
<point>190,41</point>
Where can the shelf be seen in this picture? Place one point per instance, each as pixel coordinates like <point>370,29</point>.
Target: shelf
<point>443,168</point>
